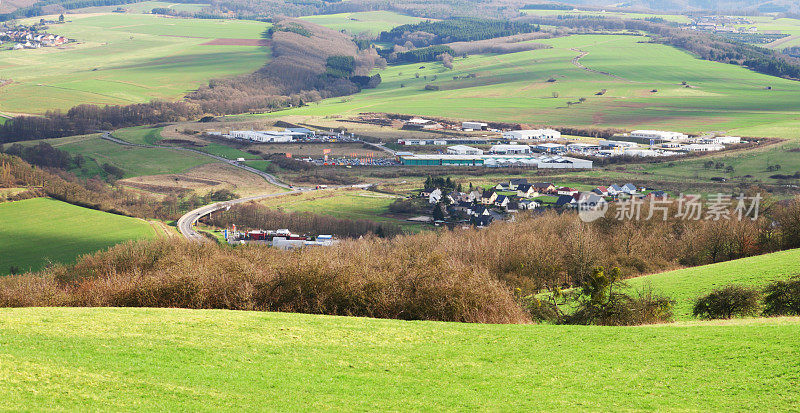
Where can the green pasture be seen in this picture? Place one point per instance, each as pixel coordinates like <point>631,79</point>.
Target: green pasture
<point>134,161</point>
<point>685,285</point>
<point>514,87</point>
<point>142,135</point>
<point>371,22</point>
<point>141,7</point>
<point>36,232</point>
<point>174,359</point>
<point>126,58</point>
<point>347,204</point>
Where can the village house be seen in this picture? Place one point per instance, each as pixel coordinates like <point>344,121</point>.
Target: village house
<point>501,201</point>
<point>567,191</point>
<point>488,197</point>
<point>526,191</point>
<point>544,188</point>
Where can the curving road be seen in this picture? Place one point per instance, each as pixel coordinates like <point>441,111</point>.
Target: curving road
<point>186,222</point>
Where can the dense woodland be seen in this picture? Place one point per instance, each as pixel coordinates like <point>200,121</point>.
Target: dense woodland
<point>429,33</point>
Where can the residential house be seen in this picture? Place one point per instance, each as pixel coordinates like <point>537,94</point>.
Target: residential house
<point>566,191</point>
<point>526,191</point>
<point>435,196</point>
<point>501,201</point>
<point>590,200</point>
<point>565,200</point>
<point>544,187</point>
<point>528,204</point>
<point>658,195</point>
<point>488,197</point>
<point>601,190</point>
<point>614,190</point>
<point>514,183</point>
<point>474,196</point>
<point>629,189</point>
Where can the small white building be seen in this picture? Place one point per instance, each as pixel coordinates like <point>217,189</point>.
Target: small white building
<point>510,149</point>
<point>659,135</point>
<point>532,134</point>
<point>463,150</point>
<point>702,147</point>
<point>582,147</point>
<point>721,140</point>
<point>474,126</point>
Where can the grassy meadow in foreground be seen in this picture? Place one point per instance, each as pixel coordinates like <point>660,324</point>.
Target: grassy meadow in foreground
<point>514,87</point>
<point>36,231</point>
<point>126,58</point>
<point>685,285</point>
<point>170,359</point>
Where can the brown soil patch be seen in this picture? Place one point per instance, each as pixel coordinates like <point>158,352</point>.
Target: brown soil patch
<point>202,179</point>
<point>236,42</point>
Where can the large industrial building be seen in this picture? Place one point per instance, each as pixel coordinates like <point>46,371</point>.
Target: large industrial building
<point>532,134</point>
<point>463,150</point>
<point>266,136</point>
<point>510,149</point>
<point>658,135</point>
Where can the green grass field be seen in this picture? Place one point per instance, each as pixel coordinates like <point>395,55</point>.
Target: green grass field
<point>172,359</point>
<point>134,161</point>
<point>36,231</point>
<point>126,58</point>
<point>142,135</point>
<point>685,285</point>
<point>347,204</point>
<point>514,87</point>
<point>371,22</point>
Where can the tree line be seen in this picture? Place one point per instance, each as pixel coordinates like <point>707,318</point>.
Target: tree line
<point>428,33</point>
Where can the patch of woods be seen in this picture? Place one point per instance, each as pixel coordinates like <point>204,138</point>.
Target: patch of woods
<point>254,216</point>
<point>307,65</point>
<point>468,275</point>
<point>96,193</point>
<point>705,45</point>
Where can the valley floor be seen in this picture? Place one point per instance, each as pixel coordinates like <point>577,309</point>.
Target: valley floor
<point>170,359</point>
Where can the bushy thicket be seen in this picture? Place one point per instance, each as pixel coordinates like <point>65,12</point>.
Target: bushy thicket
<point>255,216</point>
<point>782,298</point>
<point>461,275</point>
<point>44,154</point>
<point>727,302</point>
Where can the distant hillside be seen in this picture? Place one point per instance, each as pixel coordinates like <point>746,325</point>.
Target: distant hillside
<point>722,6</point>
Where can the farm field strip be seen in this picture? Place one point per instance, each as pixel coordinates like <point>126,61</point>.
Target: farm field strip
<point>514,88</point>
<point>122,59</point>
<point>233,360</point>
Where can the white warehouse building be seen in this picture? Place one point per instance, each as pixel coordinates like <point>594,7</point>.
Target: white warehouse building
<point>510,149</point>
<point>463,150</point>
<point>532,134</point>
<point>659,135</point>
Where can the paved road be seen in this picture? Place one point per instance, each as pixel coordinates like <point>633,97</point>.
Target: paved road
<point>186,222</point>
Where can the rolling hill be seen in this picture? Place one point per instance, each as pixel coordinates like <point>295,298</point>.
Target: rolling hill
<point>171,359</point>
<point>35,232</point>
